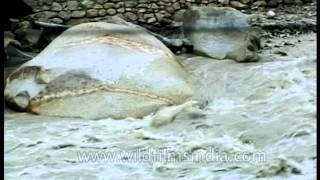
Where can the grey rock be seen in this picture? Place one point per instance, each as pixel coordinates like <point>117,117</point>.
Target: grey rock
<point>97,6</point>
<point>109,5</point>
<point>102,68</point>
<point>259,3</point>
<point>102,12</point>
<point>130,4</point>
<point>92,13</point>
<point>56,7</point>
<point>78,14</point>
<point>64,15</point>
<point>221,33</point>
<point>131,16</point>
<point>121,10</point>
<point>111,11</point>
<point>237,4</point>
<point>151,20</point>
<point>72,5</point>
<point>88,3</point>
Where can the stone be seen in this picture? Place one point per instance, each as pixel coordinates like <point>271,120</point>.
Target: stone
<point>224,2</point>
<point>72,5</point>
<point>100,73</point>
<point>271,14</point>
<point>45,8</point>
<point>237,4</point>
<point>131,16</point>
<point>111,11</point>
<point>220,33</point>
<point>119,5</point>
<point>64,15</point>
<point>147,16</point>
<point>78,14</point>
<point>87,3</point>
<point>56,20</point>
<point>46,15</point>
<point>170,10</point>
<point>92,13</point>
<point>151,20</point>
<point>97,6</point>
<point>142,10</point>
<point>102,12</point>
<point>56,7</point>
<point>101,1</point>
<point>259,3</point>
<point>176,6</point>
<point>245,1</point>
<point>121,10</point>
<point>130,4</point>
<point>108,5</point>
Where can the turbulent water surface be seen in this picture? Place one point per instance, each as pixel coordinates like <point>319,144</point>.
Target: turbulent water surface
<point>260,121</point>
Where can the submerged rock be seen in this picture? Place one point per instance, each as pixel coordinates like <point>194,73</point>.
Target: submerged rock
<point>221,33</point>
<point>99,70</point>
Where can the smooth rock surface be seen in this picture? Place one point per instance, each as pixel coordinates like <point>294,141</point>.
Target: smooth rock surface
<point>99,70</point>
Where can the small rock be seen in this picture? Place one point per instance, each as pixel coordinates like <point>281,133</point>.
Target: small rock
<point>224,2</point>
<point>176,6</point>
<point>109,5</point>
<point>101,1</point>
<point>111,11</point>
<point>259,3</point>
<point>130,4</point>
<point>97,6</point>
<point>151,20</point>
<point>121,10</point>
<point>131,16</point>
<point>72,5</point>
<point>57,20</point>
<point>237,4</point>
<point>245,1</point>
<point>92,13</point>
<point>78,14</point>
<point>56,7</point>
<point>64,15</point>
<point>102,12</point>
<point>87,3</point>
<point>271,14</point>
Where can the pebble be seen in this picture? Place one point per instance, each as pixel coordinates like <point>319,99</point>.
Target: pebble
<point>271,14</point>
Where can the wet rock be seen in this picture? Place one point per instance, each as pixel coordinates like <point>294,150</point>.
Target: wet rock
<point>79,76</point>
<point>221,33</point>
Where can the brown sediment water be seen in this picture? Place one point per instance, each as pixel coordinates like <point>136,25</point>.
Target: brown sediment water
<point>260,123</point>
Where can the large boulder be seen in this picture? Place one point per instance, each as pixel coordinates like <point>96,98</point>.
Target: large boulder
<point>99,70</point>
<point>220,33</point>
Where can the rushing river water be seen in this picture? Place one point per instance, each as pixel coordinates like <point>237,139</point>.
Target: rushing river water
<point>260,122</point>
